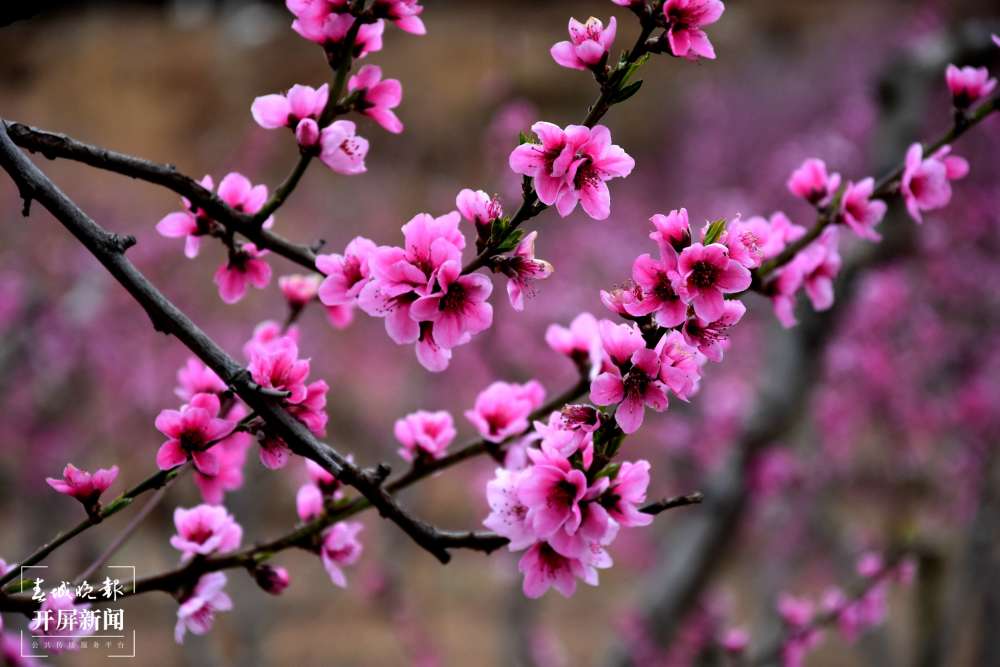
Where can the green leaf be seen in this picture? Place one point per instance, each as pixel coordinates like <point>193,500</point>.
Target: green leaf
<point>609,471</point>
<point>715,229</point>
<point>626,92</point>
<point>525,138</point>
<point>511,241</point>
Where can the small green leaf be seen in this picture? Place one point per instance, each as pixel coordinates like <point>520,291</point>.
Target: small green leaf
<point>626,92</point>
<point>715,229</point>
<point>525,138</point>
<point>609,471</point>
<point>511,241</point>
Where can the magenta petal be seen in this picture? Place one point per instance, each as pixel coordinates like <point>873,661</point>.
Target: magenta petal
<point>170,455</point>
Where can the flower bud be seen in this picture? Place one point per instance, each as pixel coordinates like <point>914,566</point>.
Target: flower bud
<point>273,580</point>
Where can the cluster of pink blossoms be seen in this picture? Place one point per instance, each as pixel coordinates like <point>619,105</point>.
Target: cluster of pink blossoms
<point>684,21</point>
<point>853,615</point>
<point>564,504</point>
<point>328,22</point>
<point>301,110</point>
<point>338,545</point>
<point>274,363</point>
<point>572,165</point>
<point>420,289</point>
<point>244,265</point>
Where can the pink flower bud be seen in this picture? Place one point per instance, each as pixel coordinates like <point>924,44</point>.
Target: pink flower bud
<point>273,580</point>
<point>307,133</point>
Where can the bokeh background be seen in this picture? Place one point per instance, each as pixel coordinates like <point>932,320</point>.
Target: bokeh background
<point>874,422</point>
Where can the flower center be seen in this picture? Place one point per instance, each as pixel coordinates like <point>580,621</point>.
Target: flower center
<point>454,298</point>
<point>704,274</point>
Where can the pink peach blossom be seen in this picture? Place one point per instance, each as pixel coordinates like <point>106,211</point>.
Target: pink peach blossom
<point>628,491</point>
<point>299,289</point>
<point>231,452</point>
<point>345,274</point>
<point>281,369</point>
<point>204,530</point>
<point>707,274</point>
<point>859,211</point>
<point>197,611</point>
<point>588,45</point>
<point>192,432</point>
<point>671,231</point>
<point>925,182</point>
<point>581,341</point>
<point>340,548</point>
<point>543,568</point>
<point>197,378</point>
<point>82,485</point>
<point>405,14</point>
<point>190,224</point>
<point>968,85</point>
<point>680,364</point>
<point>747,240</point>
<point>812,182</point>
<point>639,388</point>
<point>552,490</point>
<point>300,103</point>
<point>597,161</point>
<point>478,207</point>
<point>686,18</point>
<point>508,514</point>
<point>620,341</point>
<point>244,267</point>
<point>458,308</point>
<point>424,434</point>
<point>341,149</point>
<point>377,97</point>
<point>522,269</point>
<point>572,165</point>
<point>502,409</point>
<point>658,280</point>
<point>712,337</point>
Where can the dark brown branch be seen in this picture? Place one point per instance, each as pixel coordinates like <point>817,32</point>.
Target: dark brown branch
<point>53,146</point>
<point>109,250</point>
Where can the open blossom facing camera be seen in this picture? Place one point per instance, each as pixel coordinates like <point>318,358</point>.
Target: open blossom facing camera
<point>82,485</point>
<point>686,18</point>
<point>707,274</point>
<point>377,96</point>
<point>341,149</point>
<point>205,530</point>
<point>458,308</point>
<point>968,85</point>
<point>424,434</point>
<point>192,431</point>
<point>925,184</point>
<point>571,166</point>
<point>588,45</point>
<point>197,611</point>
